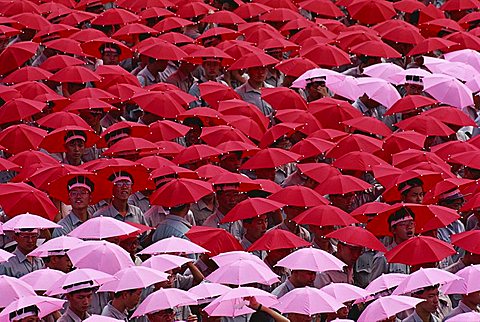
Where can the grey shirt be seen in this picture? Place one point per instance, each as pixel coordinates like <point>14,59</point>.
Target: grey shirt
<point>254,96</point>
<point>111,311</point>
<point>19,265</point>
<point>172,226</point>
<point>415,318</point>
<point>235,228</point>
<point>69,223</point>
<point>283,288</point>
<point>69,316</point>
<point>134,214</point>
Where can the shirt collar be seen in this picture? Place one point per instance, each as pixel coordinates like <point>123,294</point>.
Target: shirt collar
<point>20,256</point>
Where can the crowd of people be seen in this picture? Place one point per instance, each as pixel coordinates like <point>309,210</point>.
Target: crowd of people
<point>273,160</point>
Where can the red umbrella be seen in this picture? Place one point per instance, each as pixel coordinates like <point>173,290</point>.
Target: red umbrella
<point>215,135</point>
<point>450,115</point>
<point>299,196</point>
<point>341,184</point>
<point>240,107</point>
<point>242,182</point>
<point>172,171</point>
<point>176,38</point>
<point>371,12</point>
<point>18,138</point>
<point>312,147</point>
<point>8,93</point>
<point>253,60</point>
<point>181,191</point>
<point>325,215</point>
<point>169,149</point>
<point>223,17</point>
<point>446,187</point>
<point>280,15</point>
<point>160,49</point>
<point>12,8</point>
<point>125,91</point>
<point>75,74</point>
<point>131,31</point>
<point>246,125</point>
<point>89,104</point>
<point>58,62</point>
<point>348,39</point>
<point>325,55</point>
<point>400,141</point>
<point>251,208</point>
<point>311,124</point>
<point>54,141</point>
<point>354,142</point>
<point>375,48</point>
<point>250,10</point>
<point>357,236</point>
<point>278,44</point>
<point>324,8</point>
<point>115,75</point>
<point>468,159</point>
<point>279,131</point>
<point>427,217</point>
<point>44,175</point>
<point>409,103</point>
<point>205,114</point>
<point>31,20</point>
<point>27,73</point>
<point>21,198</point>
<point>194,9</point>
<point>458,5</point>
<point>369,209</point>
<point>247,149</point>
<point>160,104</point>
<point>195,153</point>
<point>433,27</point>
<point>215,240</point>
<point>447,149</point>
<point>430,12</point>
<point>429,179</point>
<point>464,40</point>
<point>270,158</point>
<point>427,125</point>
<point>61,119</point>
<point>166,131</point>
<point>76,17</point>
<point>213,93</point>
<point>87,34</point>
<point>131,146</point>
<point>358,161</point>
<point>152,162</point>
<point>406,34</point>
<point>408,6</point>
<point>27,158</point>
<point>278,239</point>
<point>410,157</point>
<point>171,23</point>
<point>93,92</point>
<point>468,240</point>
<point>197,57</point>
<point>296,66</point>
<point>332,112</point>
<point>16,55</point>
<point>115,16</point>
<point>92,47</point>
<point>430,45</point>
<point>420,250</point>
<point>65,46</point>
<point>368,125</point>
<point>19,109</point>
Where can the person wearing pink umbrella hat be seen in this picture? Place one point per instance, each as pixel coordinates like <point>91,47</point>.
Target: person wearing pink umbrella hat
<point>316,88</point>
<point>79,297</point>
<point>424,310</point>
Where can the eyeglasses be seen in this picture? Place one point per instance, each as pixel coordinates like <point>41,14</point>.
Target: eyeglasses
<point>28,236</point>
<point>75,194</point>
<point>123,183</point>
<point>413,78</point>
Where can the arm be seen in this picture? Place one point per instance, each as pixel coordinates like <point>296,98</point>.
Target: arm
<point>197,275</point>
<point>254,305</point>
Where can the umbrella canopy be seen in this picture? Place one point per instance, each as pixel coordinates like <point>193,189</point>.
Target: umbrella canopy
<point>354,142</point>
<point>251,208</point>
<point>371,11</point>
<point>173,245</point>
<point>45,305</point>
<point>278,239</point>
<point>181,191</point>
<point>243,272</point>
<point>215,240</point>
<point>28,221</point>
<point>165,262</point>
<point>467,284</point>
<point>424,277</point>
<point>62,243</point>
<point>165,298</point>
<point>325,215</point>
<point>79,275</point>
<point>308,301</point>
<point>12,289</point>
<point>311,259</point>
<point>419,250</point>
<point>270,158</point>
<point>299,196</point>
<point>357,236</point>
<point>42,279</point>
<point>344,292</point>
<point>448,90</point>
<point>385,282</point>
<point>135,277</point>
<point>409,103</point>
<point>467,240</point>
<point>102,228</point>
<point>16,55</point>
<point>387,306</point>
<point>342,184</point>
<point>359,161</point>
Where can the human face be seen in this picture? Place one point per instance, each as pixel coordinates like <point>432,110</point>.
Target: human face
<point>414,195</point>
<point>343,202</point>
<point>275,255</point>
<point>431,300</point>
<point>454,204</point>
<point>304,278</point>
<point>169,283</point>
<point>130,245</point>
<point>320,232</point>
<point>256,228</point>
<point>61,263</point>
<point>122,189</point>
<point>228,199</point>
<point>349,253</point>
<point>316,90</point>
<point>403,230</point>
<point>110,58</point>
<point>296,317</point>
<point>162,316</point>
<point>212,69</point>
<point>33,318</point>
<point>293,211</point>
<point>473,298</point>
<point>92,117</point>
<point>231,162</point>
<point>257,74</point>
<point>132,298</point>
<point>413,89</point>
<point>193,135</point>
<point>26,241</point>
<point>80,301</point>
<point>75,150</point>
<point>79,198</point>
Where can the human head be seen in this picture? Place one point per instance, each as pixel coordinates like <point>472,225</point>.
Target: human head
<point>79,301</point>
<point>255,227</point>
<point>129,298</point>
<point>342,201</point>
<point>212,68</point>
<point>228,196</point>
<point>110,54</point>
<point>26,239</point>
<point>167,315</point>
<point>297,317</point>
<point>231,161</point>
<point>402,224</point>
<point>430,294</point>
<point>316,88</point>
<point>59,261</point>
<point>413,85</point>
<point>472,299</point>
<point>411,191</point>
<point>157,65</point>
<point>193,135</point>
<point>92,117</point>
<point>452,199</point>
<point>122,185</point>
<point>273,256</point>
<point>75,146</point>
<point>79,192</point>
<point>348,253</point>
<point>302,278</point>
<point>257,74</point>
<point>25,314</point>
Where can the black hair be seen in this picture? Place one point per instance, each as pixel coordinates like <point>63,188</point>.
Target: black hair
<point>109,45</point>
<point>425,289</point>
<point>31,308</point>
<point>74,133</point>
<point>414,182</point>
<point>117,132</point>
<point>399,214</point>
<point>190,121</point>
<point>120,174</point>
<point>81,179</point>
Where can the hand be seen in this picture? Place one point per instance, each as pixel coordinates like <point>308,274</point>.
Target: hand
<point>192,318</point>
<point>253,304</point>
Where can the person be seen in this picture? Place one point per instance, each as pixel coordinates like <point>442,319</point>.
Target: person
<point>74,147</point>
<point>289,225</point>
<point>212,68</point>
<point>316,88</point>
<point>25,314</point>
<point>424,310</point>
<point>469,303</point>
<point>251,90</point>
<point>79,297</point>
<point>411,191</point>
<point>110,54</point>
<point>299,278</point>
<point>254,229</point>
<point>174,224</point>
<point>22,264</point>
<point>466,260</point>
<point>58,260</point>
<point>150,73</point>
<point>183,77</point>
<point>402,227</point>
<point>348,254</point>
<point>79,189</point>
<point>122,302</point>
<point>119,207</point>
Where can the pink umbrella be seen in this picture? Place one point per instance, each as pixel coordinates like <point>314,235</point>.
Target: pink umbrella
<point>344,85</point>
<point>232,303</point>
<point>134,277</point>
<point>42,279</point>
<point>344,292</point>
<point>424,277</point>
<point>243,272</point>
<point>468,284</point>
<point>85,276</point>
<point>385,282</point>
<point>448,90</point>
<point>207,291</point>
<point>311,259</point>
<point>166,262</point>
<point>173,245</point>
<point>386,307</point>
<point>233,256</point>
<point>466,317</point>
<point>387,71</point>
<point>46,305</point>
<point>55,245</point>
<point>12,289</point>
<point>29,221</point>
<point>379,90</point>
<point>4,255</point>
<point>165,298</point>
<point>308,301</point>
<point>461,71</point>
<point>100,318</point>
<point>301,82</point>
<point>100,255</point>
<point>102,228</point>
<point>467,56</point>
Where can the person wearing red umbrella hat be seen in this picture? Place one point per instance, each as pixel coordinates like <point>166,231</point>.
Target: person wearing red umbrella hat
<point>250,91</point>
<point>254,229</point>
<point>110,54</point>
<point>411,191</point>
<point>150,74</point>
<point>79,189</point>
<point>182,77</point>
<point>212,68</point>
<point>74,147</point>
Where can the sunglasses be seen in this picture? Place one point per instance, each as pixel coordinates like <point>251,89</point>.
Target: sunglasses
<point>413,78</point>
